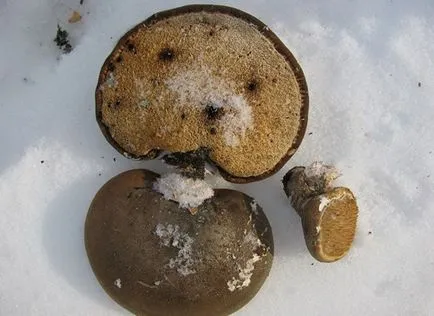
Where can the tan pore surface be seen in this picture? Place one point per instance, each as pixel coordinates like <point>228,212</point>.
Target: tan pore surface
<point>142,113</point>
<point>338,224</point>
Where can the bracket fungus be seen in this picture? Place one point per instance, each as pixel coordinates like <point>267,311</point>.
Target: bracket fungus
<point>154,258</point>
<point>328,214</point>
<point>204,76</point>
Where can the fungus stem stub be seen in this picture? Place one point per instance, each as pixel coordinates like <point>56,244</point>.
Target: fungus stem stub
<point>190,164</point>
<point>328,214</point>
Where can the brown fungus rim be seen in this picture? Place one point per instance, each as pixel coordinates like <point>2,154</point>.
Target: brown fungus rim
<point>265,30</point>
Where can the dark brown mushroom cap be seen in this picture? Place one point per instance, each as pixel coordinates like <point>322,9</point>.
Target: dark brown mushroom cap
<point>144,103</point>
<point>154,258</point>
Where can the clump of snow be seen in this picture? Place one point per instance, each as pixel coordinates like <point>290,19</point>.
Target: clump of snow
<point>324,202</point>
<point>171,236</point>
<point>253,240</point>
<point>254,207</point>
<point>318,170</point>
<point>144,103</point>
<point>118,283</point>
<point>245,272</point>
<point>199,87</point>
<point>110,82</point>
<point>188,192</point>
<point>244,275</point>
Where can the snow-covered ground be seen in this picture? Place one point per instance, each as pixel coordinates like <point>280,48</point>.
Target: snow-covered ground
<point>370,70</point>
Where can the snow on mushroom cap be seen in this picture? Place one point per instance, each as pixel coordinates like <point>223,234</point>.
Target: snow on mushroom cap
<point>172,236</point>
<point>245,272</point>
<point>187,192</point>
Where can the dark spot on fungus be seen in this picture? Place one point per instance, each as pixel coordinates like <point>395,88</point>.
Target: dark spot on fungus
<point>274,80</point>
<point>111,67</point>
<point>99,174</point>
<point>119,59</point>
<point>370,233</point>
<point>81,2</point>
<point>213,112</point>
<point>252,85</point>
<point>42,161</point>
<point>211,33</point>
<point>310,133</point>
<point>419,84</point>
<point>114,159</point>
<point>131,47</point>
<point>213,131</point>
<point>166,54</point>
<point>183,116</point>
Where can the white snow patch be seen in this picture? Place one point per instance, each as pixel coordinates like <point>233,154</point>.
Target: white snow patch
<point>318,169</point>
<point>244,275</point>
<point>110,82</point>
<point>171,236</point>
<point>252,239</point>
<point>189,193</point>
<point>254,207</point>
<point>324,202</point>
<point>118,283</point>
<point>199,87</point>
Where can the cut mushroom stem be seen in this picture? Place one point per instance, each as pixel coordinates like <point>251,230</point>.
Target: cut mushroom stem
<point>328,214</point>
<point>191,164</point>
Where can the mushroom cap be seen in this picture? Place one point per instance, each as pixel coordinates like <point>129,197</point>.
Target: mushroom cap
<point>154,258</point>
<point>204,76</point>
<point>329,224</point>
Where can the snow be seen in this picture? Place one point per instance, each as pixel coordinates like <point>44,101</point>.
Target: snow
<point>323,203</point>
<point>118,283</point>
<point>171,236</point>
<point>197,84</point>
<point>369,116</point>
<point>188,192</point>
<point>318,170</point>
<point>254,207</point>
<point>244,275</point>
